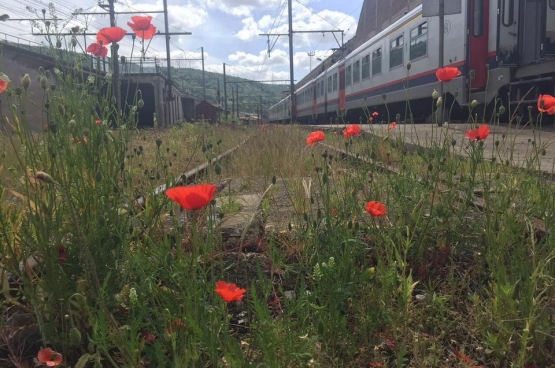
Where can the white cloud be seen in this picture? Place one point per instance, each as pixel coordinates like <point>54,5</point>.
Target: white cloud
<point>250,30</point>
<point>242,8</point>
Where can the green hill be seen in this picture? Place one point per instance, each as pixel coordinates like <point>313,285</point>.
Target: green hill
<point>252,95</point>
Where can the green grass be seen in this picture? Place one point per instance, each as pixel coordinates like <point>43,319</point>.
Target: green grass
<point>437,282</point>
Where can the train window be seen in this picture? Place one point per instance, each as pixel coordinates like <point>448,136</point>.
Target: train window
<point>329,84</point>
<point>365,68</point>
<point>348,76</point>
<point>396,52</point>
<point>419,41</point>
<point>508,11</point>
<point>377,61</point>
<point>477,18</point>
<point>356,72</point>
<point>334,82</point>
<point>552,4</point>
<point>322,90</point>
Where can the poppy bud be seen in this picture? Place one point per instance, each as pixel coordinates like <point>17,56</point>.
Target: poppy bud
<point>273,179</point>
<point>74,336</point>
<point>435,95</point>
<point>474,103</point>
<point>58,44</point>
<point>42,176</point>
<point>140,103</point>
<point>71,124</point>
<point>98,176</point>
<point>501,109</point>
<point>217,169</point>
<point>409,65</point>
<point>439,101</point>
<point>73,41</point>
<point>43,82</point>
<point>19,91</point>
<point>26,81</point>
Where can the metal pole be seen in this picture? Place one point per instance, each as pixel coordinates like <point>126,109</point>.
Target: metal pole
<point>225,95</point>
<point>292,81</point>
<point>441,52</point>
<point>115,60</point>
<point>169,95</point>
<point>237,103</point>
<point>203,82</point>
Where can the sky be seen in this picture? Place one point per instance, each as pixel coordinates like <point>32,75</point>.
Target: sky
<point>228,30</point>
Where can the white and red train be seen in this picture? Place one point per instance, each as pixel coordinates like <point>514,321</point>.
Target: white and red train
<point>500,46</point>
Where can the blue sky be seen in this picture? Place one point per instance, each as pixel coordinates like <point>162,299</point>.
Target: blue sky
<point>227,29</point>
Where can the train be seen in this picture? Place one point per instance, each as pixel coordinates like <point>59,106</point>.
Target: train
<point>505,50</point>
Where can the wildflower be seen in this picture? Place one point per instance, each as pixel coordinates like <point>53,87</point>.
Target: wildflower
<point>375,113</point>
<point>3,84</point>
<point>42,176</point>
<point>25,81</point>
<point>149,337</point>
<point>192,197</point>
<point>229,291</point>
<point>376,364</point>
<point>111,34</point>
<point>142,27</point>
<point>178,323</point>
<point>49,357</point>
<point>463,357</point>
<point>546,103</point>
<point>62,255</point>
<point>447,74</point>
<point>97,50</point>
<point>392,126</point>
<point>435,94</point>
<point>376,209</point>
<point>351,130</point>
<point>478,134</point>
<point>314,137</point>
<point>98,121</point>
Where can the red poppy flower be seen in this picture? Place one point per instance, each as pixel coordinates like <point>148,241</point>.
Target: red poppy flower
<point>351,130</point>
<point>447,74</point>
<point>148,337</point>
<point>142,27</point>
<point>463,357</point>
<point>546,103</point>
<point>98,121</point>
<point>111,34</point>
<point>314,137</point>
<point>376,209</point>
<point>478,134</point>
<point>3,85</point>
<point>97,50</point>
<point>375,113</point>
<point>49,357</point>
<point>192,197</point>
<point>62,255</point>
<point>392,126</point>
<point>229,291</point>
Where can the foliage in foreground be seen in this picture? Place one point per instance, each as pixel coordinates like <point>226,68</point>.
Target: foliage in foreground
<point>375,269</point>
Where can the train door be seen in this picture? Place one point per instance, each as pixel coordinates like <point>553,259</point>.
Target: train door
<point>342,102</point>
<point>530,30</point>
<point>549,41</point>
<point>478,15</point>
<point>507,27</point>
<point>315,91</point>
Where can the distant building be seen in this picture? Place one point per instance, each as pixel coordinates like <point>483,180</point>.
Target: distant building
<point>209,111</point>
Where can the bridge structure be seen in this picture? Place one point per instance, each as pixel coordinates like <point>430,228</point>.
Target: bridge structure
<point>19,57</point>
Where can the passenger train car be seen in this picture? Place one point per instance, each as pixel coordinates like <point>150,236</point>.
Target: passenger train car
<point>503,46</point>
